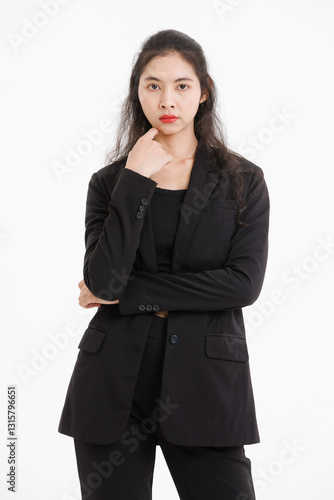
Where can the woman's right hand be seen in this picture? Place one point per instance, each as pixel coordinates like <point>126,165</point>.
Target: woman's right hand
<point>147,156</point>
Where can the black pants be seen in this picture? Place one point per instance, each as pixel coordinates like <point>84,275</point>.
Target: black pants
<point>124,470</point>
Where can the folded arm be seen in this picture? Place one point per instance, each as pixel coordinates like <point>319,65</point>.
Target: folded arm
<point>237,284</point>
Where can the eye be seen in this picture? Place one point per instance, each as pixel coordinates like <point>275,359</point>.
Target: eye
<point>181,85</point>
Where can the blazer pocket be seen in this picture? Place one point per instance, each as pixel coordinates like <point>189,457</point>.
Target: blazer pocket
<point>92,339</point>
<point>226,346</point>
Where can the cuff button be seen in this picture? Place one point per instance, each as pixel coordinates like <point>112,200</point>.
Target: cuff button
<point>173,339</point>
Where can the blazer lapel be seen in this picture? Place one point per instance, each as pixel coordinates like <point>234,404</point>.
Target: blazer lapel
<point>201,184</point>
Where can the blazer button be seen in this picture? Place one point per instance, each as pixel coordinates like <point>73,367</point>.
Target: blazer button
<point>144,201</point>
<point>139,215</point>
<point>156,307</point>
<point>141,208</point>
<point>149,307</point>
<point>173,339</point>
<point>141,307</point>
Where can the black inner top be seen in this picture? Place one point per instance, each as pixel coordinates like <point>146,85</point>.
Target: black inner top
<point>165,212</point>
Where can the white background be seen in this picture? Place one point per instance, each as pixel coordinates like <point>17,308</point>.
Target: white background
<point>268,58</point>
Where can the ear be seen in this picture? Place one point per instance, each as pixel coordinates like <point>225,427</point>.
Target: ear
<point>205,95</point>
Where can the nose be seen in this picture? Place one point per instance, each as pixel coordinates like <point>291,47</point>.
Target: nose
<point>167,100</point>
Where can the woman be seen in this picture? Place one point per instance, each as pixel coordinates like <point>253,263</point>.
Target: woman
<point>176,244</point>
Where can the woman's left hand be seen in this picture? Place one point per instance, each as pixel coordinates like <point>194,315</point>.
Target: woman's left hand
<point>88,300</point>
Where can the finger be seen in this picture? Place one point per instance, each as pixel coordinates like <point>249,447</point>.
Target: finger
<point>83,296</point>
<point>150,134</point>
<point>85,290</point>
<point>86,297</point>
<point>83,293</point>
<point>84,302</point>
<point>92,304</point>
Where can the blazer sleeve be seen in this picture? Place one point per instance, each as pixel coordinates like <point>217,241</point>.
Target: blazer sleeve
<point>237,284</point>
<point>113,229</point>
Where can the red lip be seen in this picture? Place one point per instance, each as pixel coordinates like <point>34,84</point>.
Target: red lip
<point>168,118</point>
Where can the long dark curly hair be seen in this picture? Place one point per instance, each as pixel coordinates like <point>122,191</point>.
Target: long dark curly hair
<point>208,128</point>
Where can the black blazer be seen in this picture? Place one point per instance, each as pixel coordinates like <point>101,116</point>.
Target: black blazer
<point>218,267</point>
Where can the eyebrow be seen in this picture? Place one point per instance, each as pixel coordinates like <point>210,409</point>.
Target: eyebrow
<point>157,79</point>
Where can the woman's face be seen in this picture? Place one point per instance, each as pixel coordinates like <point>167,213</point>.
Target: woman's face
<point>169,86</point>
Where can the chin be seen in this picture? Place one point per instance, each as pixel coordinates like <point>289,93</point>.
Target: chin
<point>166,129</point>
<point>167,132</point>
